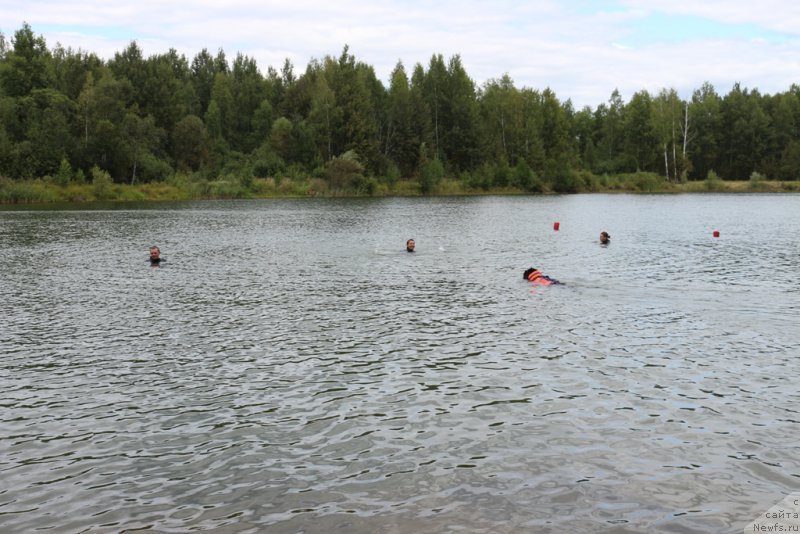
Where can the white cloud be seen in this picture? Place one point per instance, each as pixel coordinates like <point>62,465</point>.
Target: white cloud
<point>775,15</point>
<point>539,44</point>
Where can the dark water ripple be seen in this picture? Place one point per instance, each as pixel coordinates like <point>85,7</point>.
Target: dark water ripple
<point>291,369</point>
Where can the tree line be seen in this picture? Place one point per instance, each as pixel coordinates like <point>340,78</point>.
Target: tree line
<point>66,113</point>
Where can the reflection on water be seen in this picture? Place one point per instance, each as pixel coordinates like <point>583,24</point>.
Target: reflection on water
<point>291,368</point>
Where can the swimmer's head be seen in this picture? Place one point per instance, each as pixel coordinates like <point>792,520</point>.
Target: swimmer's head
<point>528,272</point>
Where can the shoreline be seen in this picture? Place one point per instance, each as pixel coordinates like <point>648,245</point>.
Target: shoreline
<point>40,191</point>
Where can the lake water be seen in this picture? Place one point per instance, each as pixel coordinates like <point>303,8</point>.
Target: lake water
<point>291,368</point>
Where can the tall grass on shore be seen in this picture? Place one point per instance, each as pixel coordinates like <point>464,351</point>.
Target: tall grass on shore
<point>186,187</point>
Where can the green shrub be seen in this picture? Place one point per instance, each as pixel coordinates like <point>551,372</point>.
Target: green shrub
<point>481,178</point>
<point>101,183</point>
<point>790,186</point>
<point>64,174</point>
<point>713,182</point>
<point>647,182</point>
<point>345,171</point>
<point>267,164</point>
<point>564,180</point>
<point>501,174</point>
<point>392,175</point>
<point>431,176</point>
<point>522,176</point>
<point>757,181</point>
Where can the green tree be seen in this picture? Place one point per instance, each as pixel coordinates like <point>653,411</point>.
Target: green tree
<point>461,139</point>
<point>166,94</point>
<point>744,136</point>
<point>204,70</point>
<point>72,68</point>
<point>141,136</point>
<point>262,122</point>
<point>248,92</point>
<point>783,111</point>
<point>130,65</point>
<point>6,152</point>
<point>667,111</point>
<point>190,143</point>
<point>498,109</point>
<point>49,118</point>
<point>102,108</point>
<point>611,119</point>
<point>532,126</point>
<point>790,161</point>
<point>28,66</point>
<point>282,138</point>
<point>352,83</point>
<point>435,99</point>
<point>641,143</point>
<point>222,102</point>
<point>324,115</point>
<point>422,126</point>
<point>705,113</point>
<point>401,140</point>
<point>558,151</point>
<point>584,130</point>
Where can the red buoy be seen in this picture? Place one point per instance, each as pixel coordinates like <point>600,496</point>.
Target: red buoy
<point>716,233</point>
<point>556,225</point>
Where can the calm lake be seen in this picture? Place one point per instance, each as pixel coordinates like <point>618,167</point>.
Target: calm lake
<point>290,368</point>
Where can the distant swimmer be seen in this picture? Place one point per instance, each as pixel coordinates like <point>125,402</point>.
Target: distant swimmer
<point>155,256</point>
<point>533,275</point>
<point>410,245</point>
<point>605,239</point>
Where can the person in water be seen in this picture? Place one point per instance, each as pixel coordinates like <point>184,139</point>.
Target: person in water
<point>532,274</point>
<point>155,255</point>
<point>410,245</point>
<point>605,239</point>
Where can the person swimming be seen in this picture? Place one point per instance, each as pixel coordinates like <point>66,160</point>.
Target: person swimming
<point>410,245</point>
<point>533,274</point>
<point>605,239</point>
<point>155,256</point>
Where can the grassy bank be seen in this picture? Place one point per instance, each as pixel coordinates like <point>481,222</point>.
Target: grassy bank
<point>183,188</point>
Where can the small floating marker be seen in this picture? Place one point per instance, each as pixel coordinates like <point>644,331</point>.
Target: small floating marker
<point>716,233</point>
<point>556,226</point>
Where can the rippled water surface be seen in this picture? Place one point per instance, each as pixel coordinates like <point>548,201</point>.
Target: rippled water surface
<point>291,368</point>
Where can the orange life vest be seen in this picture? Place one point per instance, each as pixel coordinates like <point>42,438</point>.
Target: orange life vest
<point>538,278</point>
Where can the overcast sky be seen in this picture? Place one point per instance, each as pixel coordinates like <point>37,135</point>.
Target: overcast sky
<point>581,49</point>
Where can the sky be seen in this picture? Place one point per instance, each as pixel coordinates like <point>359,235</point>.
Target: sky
<point>582,50</point>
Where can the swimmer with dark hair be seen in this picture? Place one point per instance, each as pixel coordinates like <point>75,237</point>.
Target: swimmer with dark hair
<point>533,275</point>
<point>605,239</point>
<point>410,244</point>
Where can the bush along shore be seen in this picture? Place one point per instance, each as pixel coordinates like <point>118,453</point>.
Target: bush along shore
<point>100,187</point>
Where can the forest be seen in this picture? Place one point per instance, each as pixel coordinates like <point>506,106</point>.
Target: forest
<point>217,128</point>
